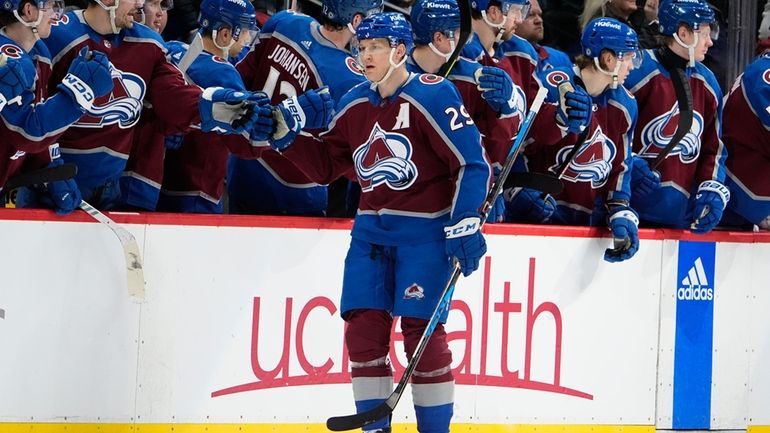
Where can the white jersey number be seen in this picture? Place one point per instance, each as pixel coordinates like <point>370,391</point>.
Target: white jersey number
<point>459,118</point>
<point>286,89</point>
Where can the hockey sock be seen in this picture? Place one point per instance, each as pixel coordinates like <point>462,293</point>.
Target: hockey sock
<point>367,337</point>
<point>432,382</point>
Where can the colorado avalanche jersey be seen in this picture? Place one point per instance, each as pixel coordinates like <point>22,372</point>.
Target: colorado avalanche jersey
<point>523,58</point>
<point>543,127</point>
<point>549,59</point>
<point>100,142</point>
<point>290,58</point>
<point>699,156</point>
<point>194,173</point>
<point>747,137</point>
<point>497,132</point>
<point>418,158</point>
<point>599,171</point>
<point>34,123</point>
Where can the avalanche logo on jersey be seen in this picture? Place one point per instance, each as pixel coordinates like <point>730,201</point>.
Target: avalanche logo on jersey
<point>593,162</point>
<point>661,129</point>
<point>385,158</point>
<point>123,105</point>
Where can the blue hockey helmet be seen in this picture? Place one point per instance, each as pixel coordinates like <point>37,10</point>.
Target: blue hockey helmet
<point>342,11</point>
<point>14,5</point>
<point>505,6</point>
<point>431,16</point>
<point>392,26</point>
<point>672,13</point>
<point>238,15</point>
<point>610,34</point>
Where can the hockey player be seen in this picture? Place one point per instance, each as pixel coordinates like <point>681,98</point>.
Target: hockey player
<point>154,14</point>
<point>423,176</point>
<point>194,172</point>
<point>295,53</point>
<point>597,176</point>
<point>691,193</point>
<point>531,29</point>
<point>495,104</point>
<point>101,140</point>
<point>32,125</point>
<point>142,177</point>
<point>746,135</point>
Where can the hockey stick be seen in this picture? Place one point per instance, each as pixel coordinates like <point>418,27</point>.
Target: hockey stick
<point>134,269</point>
<point>350,422</point>
<point>44,175</point>
<point>683,97</point>
<point>564,88</point>
<point>465,34</point>
<point>545,183</point>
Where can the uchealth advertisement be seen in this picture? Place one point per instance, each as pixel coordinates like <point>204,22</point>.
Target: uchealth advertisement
<point>241,325</point>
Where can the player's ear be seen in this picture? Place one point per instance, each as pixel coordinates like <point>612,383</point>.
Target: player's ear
<point>437,38</point>
<point>401,51</point>
<point>225,34</point>
<point>357,18</point>
<point>684,32</point>
<point>606,58</point>
<point>28,10</point>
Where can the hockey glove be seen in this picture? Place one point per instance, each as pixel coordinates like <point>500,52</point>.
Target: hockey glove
<point>465,241</point>
<point>496,213</point>
<point>497,89</point>
<point>313,109</point>
<point>624,223</point>
<point>574,109</point>
<point>528,205</point>
<point>264,125</point>
<point>710,201</point>
<point>63,196</point>
<point>13,80</point>
<point>89,77</point>
<point>643,179</point>
<point>174,141</point>
<point>227,111</point>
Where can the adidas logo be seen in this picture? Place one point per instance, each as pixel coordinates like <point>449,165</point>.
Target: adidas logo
<point>306,44</point>
<point>695,286</point>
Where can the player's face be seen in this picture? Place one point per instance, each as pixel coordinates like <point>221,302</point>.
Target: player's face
<point>51,11</point>
<point>704,42</point>
<point>626,65</point>
<point>515,14</point>
<point>531,28</point>
<point>155,16</point>
<point>373,56</point>
<point>124,14</point>
<point>245,38</point>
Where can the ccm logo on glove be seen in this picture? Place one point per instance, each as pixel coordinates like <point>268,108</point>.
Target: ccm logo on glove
<point>466,226</point>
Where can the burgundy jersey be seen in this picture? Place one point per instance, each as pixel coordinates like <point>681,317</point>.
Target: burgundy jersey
<point>418,159</point>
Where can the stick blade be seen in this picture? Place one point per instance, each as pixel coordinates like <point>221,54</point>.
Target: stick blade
<point>359,420</point>
<point>542,182</point>
<point>134,271</point>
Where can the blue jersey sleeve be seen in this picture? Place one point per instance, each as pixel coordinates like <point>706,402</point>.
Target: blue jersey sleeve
<point>756,86</point>
<point>38,122</point>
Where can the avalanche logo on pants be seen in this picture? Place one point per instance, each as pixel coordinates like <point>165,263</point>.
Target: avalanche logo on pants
<point>592,163</point>
<point>385,158</point>
<point>660,130</point>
